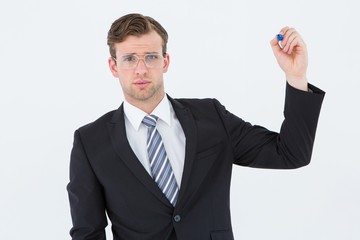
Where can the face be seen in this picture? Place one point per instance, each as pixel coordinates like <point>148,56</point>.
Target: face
<point>141,85</point>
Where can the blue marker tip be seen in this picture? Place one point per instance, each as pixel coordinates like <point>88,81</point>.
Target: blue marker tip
<point>280,37</point>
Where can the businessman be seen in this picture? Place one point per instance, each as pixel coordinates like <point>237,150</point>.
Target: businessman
<point>159,167</point>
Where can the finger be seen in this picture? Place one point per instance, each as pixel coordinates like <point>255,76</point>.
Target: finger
<point>295,41</point>
<point>282,32</point>
<point>289,40</point>
<point>287,35</point>
<point>274,41</point>
<point>291,45</point>
<point>275,45</point>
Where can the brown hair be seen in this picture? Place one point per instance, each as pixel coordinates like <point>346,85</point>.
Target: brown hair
<point>134,24</point>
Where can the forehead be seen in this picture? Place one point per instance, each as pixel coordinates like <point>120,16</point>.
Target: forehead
<point>150,42</point>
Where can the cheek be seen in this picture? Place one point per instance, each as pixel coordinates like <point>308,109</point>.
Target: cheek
<point>124,78</point>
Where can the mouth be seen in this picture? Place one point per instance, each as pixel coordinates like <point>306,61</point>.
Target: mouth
<point>141,83</point>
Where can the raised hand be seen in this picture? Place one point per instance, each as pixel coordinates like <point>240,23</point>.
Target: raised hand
<point>292,57</point>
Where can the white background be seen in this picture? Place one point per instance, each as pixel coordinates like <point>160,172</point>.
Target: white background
<point>54,78</point>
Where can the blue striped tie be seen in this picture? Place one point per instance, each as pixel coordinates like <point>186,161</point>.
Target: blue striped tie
<point>159,163</point>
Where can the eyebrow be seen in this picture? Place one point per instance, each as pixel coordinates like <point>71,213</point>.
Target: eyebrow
<point>133,53</point>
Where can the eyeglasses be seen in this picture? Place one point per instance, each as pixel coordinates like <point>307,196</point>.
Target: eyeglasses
<point>130,61</point>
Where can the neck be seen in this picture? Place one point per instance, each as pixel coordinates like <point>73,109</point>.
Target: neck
<point>147,105</point>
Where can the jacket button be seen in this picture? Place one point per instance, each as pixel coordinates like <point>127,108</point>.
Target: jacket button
<point>177,218</point>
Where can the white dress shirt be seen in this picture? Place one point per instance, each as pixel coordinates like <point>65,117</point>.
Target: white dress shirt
<point>169,128</point>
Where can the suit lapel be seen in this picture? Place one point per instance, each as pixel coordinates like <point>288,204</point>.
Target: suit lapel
<point>189,127</point>
<point>193,174</point>
<point>122,147</point>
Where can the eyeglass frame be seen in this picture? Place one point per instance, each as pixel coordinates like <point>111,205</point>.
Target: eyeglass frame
<point>143,57</point>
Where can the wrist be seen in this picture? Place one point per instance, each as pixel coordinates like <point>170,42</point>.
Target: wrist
<point>300,83</point>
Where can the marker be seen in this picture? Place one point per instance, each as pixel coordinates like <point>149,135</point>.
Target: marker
<point>280,37</point>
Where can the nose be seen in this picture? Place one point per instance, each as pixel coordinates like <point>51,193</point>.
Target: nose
<point>141,67</point>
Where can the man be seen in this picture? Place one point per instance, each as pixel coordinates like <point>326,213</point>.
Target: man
<point>161,167</point>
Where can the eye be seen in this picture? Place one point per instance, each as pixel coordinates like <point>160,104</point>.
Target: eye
<point>151,57</point>
<point>129,58</point>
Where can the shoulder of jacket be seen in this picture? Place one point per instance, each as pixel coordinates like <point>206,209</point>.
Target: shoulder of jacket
<point>197,101</point>
<point>98,122</point>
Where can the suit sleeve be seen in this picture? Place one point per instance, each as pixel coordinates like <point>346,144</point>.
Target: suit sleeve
<point>85,196</point>
<point>255,146</point>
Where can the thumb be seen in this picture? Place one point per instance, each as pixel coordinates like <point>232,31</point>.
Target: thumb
<point>275,45</point>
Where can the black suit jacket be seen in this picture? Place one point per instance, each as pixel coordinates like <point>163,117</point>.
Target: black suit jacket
<point>106,176</point>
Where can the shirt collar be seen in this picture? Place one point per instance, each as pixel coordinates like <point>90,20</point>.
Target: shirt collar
<point>136,115</point>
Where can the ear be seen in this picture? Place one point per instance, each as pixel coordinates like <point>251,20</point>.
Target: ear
<point>166,63</point>
<point>113,67</point>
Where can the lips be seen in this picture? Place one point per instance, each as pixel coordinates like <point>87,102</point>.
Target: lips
<point>142,83</point>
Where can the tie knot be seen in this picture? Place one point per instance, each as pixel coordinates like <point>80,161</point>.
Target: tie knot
<point>150,120</point>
